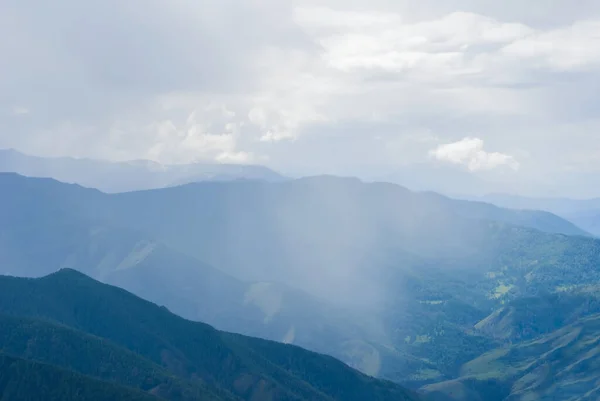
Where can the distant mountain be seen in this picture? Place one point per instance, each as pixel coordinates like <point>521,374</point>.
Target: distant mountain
<point>458,181</point>
<point>584,213</point>
<point>127,176</point>
<point>538,219</point>
<point>559,206</point>
<point>589,220</point>
<point>442,178</point>
<point>228,366</point>
<point>26,380</point>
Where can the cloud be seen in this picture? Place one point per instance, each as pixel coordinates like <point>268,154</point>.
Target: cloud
<point>470,153</point>
<point>207,134</point>
<point>573,48</point>
<point>308,84</point>
<point>387,43</point>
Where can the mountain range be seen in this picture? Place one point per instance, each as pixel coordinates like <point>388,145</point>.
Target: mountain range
<point>126,176</point>
<point>401,285</point>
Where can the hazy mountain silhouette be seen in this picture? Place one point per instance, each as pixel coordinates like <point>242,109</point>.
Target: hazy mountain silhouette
<point>127,176</point>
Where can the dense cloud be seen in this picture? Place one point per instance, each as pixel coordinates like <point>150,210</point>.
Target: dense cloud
<point>307,86</point>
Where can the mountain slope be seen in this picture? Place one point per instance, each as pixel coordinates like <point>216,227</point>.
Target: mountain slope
<point>32,381</point>
<point>44,341</point>
<point>548,350</point>
<point>244,366</point>
<point>531,317</point>
<point>562,365</point>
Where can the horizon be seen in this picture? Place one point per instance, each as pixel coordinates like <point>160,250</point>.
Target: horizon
<point>466,195</point>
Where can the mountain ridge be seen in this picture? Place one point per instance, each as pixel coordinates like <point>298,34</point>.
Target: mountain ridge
<point>244,366</point>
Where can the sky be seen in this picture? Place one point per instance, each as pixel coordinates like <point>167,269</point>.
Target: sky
<point>461,94</point>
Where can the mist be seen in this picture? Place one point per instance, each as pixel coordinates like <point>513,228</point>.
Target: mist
<point>323,235</point>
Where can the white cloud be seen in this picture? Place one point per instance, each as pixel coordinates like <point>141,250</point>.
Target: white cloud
<point>573,48</point>
<point>383,41</point>
<point>470,153</point>
<point>208,134</point>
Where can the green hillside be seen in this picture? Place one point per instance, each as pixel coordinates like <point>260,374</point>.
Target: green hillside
<point>563,365</point>
<point>43,340</point>
<point>24,380</point>
<point>548,351</point>
<point>228,363</point>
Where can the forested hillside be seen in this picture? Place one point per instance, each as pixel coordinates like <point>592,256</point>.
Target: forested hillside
<point>126,330</point>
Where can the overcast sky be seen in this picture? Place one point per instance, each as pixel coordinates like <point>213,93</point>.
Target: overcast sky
<point>484,88</point>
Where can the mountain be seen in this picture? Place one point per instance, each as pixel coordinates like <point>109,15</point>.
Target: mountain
<point>559,206</point>
<point>230,366</point>
<point>390,281</point>
<point>538,219</point>
<point>585,213</point>
<point>436,177</point>
<point>589,220</point>
<point>52,343</point>
<point>40,234</point>
<point>458,181</point>
<point>127,176</point>
<point>336,229</point>
<point>32,381</point>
